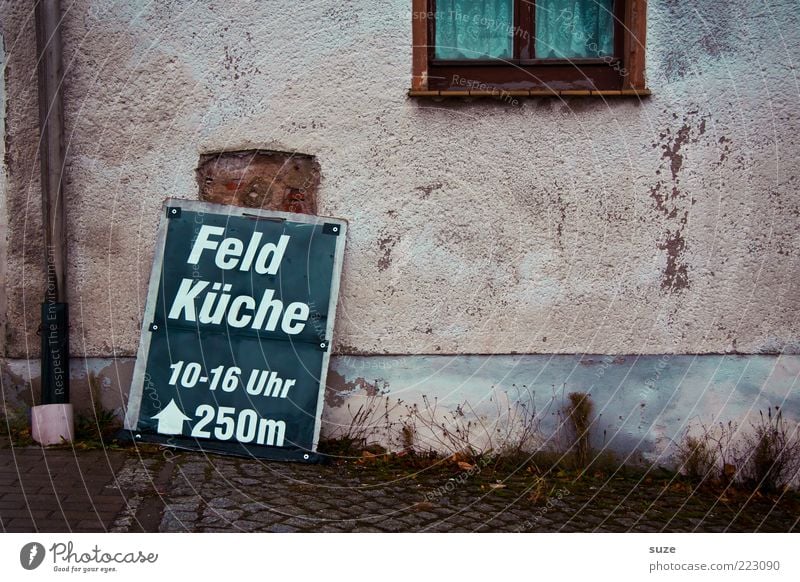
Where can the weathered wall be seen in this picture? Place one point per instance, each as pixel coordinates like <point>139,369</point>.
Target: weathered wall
<point>3,209</point>
<point>575,226</point>
<point>642,404</point>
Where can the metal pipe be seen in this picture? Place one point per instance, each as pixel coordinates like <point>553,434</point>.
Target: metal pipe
<point>55,314</point>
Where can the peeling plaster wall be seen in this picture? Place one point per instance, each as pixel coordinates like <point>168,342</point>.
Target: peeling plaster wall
<point>101,381</point>
<point>556,226</point>
<point>642,404</point>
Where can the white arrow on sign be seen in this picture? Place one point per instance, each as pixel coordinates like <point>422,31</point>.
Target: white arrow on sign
<point>171,419</point>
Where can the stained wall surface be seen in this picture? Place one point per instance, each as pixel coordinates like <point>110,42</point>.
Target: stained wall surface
<point>642,406</point>
<point>582,225</point>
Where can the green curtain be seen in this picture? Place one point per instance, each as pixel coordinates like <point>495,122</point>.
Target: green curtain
<point>568,29</point>
<point>474,29</point>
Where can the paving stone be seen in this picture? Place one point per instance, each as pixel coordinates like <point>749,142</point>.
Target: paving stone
<point>302,524</point>
<point>247,481</point>
<point>626,522</point>
<point>315,505</point>
<point>253,506</point>
<point>96,492</point>
<point>330,514</point>
<point>220,503</point>
<point>281,528</point>
<point>170,523</point>
<point>266,517</point>
<point>426,516</point>
<point>223,514</point>
<point>246,525</point>
<point>182,507</point>
<point>182,515</point>
<point>390,525</point>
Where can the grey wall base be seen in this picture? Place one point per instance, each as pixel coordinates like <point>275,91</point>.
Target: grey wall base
<point>642,403</point>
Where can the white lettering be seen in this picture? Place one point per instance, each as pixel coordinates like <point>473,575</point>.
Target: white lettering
<point>271,432</point>
<point>184,299</point>
<point>274,254</point>
<point>234,319</point>
<point>252,248</point>
<point>230,247</point>
<point>202,243</point>
<point>295,313</point>
<point>268,304</point>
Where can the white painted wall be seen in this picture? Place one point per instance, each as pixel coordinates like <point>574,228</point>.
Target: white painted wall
<point>663,226</point>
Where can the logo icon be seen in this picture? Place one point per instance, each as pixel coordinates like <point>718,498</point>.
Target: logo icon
<point>31,555</point>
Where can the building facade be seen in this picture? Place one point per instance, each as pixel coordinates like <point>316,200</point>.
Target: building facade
<point>641,247</point>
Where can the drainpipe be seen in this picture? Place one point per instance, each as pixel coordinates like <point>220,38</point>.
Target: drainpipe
<point>52,420</point>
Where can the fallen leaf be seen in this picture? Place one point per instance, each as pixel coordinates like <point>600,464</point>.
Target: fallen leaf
<point>366,456</point>
<point>458,457</point>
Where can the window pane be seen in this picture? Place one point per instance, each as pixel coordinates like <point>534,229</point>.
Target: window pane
<point>574,29</point>
<point>474,29</point>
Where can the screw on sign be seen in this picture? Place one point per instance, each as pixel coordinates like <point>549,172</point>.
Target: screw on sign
<point>232,362</point>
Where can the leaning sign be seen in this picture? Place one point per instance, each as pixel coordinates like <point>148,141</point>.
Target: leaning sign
<point>236,332</point>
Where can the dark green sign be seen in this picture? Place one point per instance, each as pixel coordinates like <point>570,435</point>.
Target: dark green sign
<point>237,329</point>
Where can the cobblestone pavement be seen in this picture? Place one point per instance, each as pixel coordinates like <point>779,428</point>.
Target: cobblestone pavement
<point>54,491</point>
<point>62,490</point>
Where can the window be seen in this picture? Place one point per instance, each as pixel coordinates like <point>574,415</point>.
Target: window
<point>528,47</point>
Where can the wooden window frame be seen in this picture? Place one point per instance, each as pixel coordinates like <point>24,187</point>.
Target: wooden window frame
<point>622,74</point>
